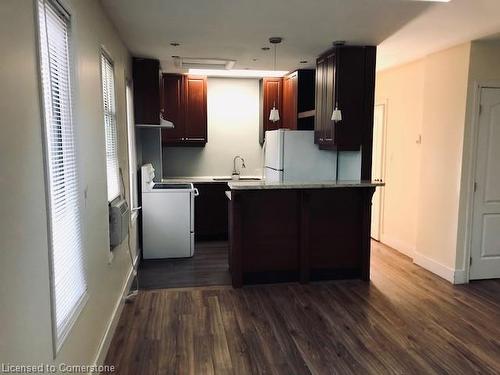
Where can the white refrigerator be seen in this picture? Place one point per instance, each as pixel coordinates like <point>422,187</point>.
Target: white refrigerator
<point>291,155</point>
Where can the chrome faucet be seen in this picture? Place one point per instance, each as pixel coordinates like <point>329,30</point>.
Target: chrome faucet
<point>235,171</point>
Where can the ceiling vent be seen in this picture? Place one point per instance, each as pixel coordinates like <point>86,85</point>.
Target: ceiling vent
<point>203,63</point>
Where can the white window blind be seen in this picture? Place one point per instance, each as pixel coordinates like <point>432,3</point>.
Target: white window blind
<point>68,280</point>
<point>108,96</point>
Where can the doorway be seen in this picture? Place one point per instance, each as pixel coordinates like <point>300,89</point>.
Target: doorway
<point>378,169</point>
<point>485,241</point>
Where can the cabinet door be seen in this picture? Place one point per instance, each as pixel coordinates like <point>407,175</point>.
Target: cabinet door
<point>318,119</point>
<point>195,109</point>
<point>329,99</point>
<point>146,74</point>
<point>290,92</point>
<point>171,110</point>
<point>210,212</point>
<point>273,95</point>
<point>352,93</point>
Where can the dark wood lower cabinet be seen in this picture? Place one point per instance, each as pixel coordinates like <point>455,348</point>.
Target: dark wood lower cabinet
<point>300,235</point>
<point>211,215</point>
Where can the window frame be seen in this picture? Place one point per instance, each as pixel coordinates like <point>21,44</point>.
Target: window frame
<point>132,150</point>
<point>66,11</point>
<point>104,53</point>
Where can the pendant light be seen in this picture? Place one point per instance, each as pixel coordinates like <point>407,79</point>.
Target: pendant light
<point>274,115</point>
<point>337,113</point>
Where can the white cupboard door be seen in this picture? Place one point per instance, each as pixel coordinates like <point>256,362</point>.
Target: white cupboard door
<point>485,249</point>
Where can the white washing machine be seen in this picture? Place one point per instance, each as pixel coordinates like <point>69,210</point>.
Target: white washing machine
<point>167,218</point>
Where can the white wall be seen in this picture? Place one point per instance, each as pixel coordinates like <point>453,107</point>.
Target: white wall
<point>422,195</point>
<point>401,90</point>
<point>233,129</point>
<point>24,270</point>
<point>445,95</point>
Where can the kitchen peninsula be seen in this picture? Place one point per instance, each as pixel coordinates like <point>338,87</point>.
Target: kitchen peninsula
<point>292,231</point>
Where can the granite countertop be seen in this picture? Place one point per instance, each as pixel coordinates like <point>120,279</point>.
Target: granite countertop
<point>205,179</point>
<point>263,185</point>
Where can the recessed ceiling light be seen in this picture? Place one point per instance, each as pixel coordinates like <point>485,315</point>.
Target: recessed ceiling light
<point>175,44</point>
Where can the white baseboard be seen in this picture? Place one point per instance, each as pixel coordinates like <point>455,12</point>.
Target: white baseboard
<point>401,246</point>
<point>454,276</point>
<point>437,268</point>
<point>115,317</point>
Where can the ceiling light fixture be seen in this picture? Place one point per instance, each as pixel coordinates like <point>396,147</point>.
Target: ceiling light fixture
<point>203,63</point>
<point>243,73</point>
<point>274,114</point>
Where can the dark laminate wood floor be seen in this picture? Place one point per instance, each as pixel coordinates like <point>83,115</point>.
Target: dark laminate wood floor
<point>406,321</point>
<point>208,266</point>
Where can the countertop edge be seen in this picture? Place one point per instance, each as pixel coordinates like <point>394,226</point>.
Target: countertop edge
<point>245,185</point>
<point>204,179</point>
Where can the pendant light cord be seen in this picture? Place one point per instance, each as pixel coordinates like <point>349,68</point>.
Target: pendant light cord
<point>274,103</point>
<point>274,57</point>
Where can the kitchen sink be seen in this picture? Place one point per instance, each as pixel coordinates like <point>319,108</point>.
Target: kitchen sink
<point>240,179</point>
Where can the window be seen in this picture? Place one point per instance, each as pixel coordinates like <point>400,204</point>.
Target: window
<point>132,160</point>
<point>108,97</point>
<point>68,279</point>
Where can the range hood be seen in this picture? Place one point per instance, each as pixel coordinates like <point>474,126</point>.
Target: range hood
<point>164,124</point>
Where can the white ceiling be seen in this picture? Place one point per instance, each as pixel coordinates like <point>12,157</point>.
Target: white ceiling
<point>237,29</point>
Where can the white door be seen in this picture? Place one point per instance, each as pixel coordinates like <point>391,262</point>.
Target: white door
<point>377,167</point>
<point>485,250</point>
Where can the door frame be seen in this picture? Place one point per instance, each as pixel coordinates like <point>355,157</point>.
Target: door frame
<point>471,175</point>
<point>385,104</point>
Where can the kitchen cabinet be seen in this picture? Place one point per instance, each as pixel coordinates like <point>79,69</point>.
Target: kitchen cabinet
<point>184,103</point>
<point>271,92</point>
<point>345,77</point>
<point>323,234</point>
<point>146,75</point>
<point>290,84</point>
<point>211,212</point>
<point>195,107</point>
<point>298,100</point>
<point>172,110</point>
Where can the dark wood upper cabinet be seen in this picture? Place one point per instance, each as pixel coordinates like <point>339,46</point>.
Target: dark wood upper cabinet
<point>184,102</point>
<point>195,109</point>
<point>271,92</point>
<point>298,100</point>
<point>345,77</point>
<point>294,99</point>
<point>172,110</point>
<point>290,101</point>
<point>146,75</point>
